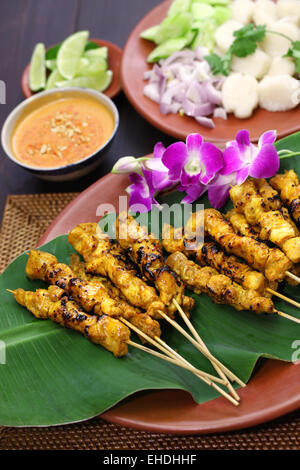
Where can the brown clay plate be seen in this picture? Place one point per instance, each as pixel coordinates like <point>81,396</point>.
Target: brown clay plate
<point>134,66</point>
<point>273,390</point>
<point>114,61</point>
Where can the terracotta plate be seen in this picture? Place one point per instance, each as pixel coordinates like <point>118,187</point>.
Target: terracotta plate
<point>114,60</point>
<point>133,67</point>
<point>273,390</point>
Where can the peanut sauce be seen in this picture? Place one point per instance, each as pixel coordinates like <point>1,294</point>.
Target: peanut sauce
<point>62,132</point>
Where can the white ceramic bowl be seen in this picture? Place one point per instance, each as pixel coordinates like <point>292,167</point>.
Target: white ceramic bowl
<point>73,170</point>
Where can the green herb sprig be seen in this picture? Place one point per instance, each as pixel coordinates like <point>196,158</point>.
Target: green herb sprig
<point>245,43</point>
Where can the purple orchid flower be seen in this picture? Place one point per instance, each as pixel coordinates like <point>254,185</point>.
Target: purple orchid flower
<point>218,189</point>
<point>194,162</point>
<point>141,192</point>
<point>161,180</point>
<point>247,159</point>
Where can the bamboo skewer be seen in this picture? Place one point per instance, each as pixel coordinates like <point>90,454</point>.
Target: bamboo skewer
<point>292,276</point>
<point>202,375</point>
<point>170,352</point>
<point>218,369</point>
<point>209,356</point>
<point>289,317</point>
<point>283,297</point>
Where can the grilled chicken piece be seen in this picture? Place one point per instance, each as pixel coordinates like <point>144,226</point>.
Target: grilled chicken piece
<point>211,254</point>
<point>276,226</point>
<point>289,187</point>
<point>271,261</point>
<point>105,258</point>
<point>240,224</point>
<point>271,197</point>
<point>55,305</point>
<point>146,251</point>
<point>242,227</point>
<point>91,295</point>
<point>219,287</point>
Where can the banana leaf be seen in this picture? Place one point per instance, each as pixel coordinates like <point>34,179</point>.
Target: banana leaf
<point>51,375</point>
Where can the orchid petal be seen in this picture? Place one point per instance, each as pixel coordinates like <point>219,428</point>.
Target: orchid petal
<point>174,159</point>
<point>266,163</point>
<point>218,195</point>
<point>137,199</point>
<point>212,158</point>
<point>158,150</point>
<point>242,174</point>
<point>193,193</point>
<point>232,160</point>
<point>243,140</point>
<point>268,137</point>
<point>193,143</point>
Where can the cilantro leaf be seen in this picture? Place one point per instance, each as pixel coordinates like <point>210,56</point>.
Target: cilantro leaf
<point>219,65</point>
<point>294,52</point>
<point>243,47</point>
<point>251,32</point>
<point>245,43</point>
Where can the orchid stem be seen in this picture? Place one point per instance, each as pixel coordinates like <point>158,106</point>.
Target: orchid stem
<point>284,153</point>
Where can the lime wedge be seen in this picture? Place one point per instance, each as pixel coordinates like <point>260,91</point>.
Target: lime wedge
<point>93,66</point>
<point>70,52</point>
<point>98,52</point>
<point>37,72</point>
<point>54,77</point>
<point>99,82</point>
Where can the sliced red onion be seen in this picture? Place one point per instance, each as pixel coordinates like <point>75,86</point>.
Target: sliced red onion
<point>185,82</point>
<point>206,122</point>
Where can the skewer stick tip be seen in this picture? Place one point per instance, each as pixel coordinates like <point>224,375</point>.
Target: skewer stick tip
<point>289,317</point>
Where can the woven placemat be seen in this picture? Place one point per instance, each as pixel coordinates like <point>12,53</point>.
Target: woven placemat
<point>24,221</point>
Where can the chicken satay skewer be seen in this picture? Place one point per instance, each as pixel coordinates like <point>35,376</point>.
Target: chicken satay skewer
<point>78,267</point>
<point>112,334</point>
<point>146,251</point>
<point>220,287</point>
<point>89,294</point>
<point>211,254</point>
<point>271,261</point>
<point>276,225</point>
<point>203,378</point>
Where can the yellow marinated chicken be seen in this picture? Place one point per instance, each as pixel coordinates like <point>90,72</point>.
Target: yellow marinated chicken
<point>289,187</point>
<point>240,224</point>
<point>219,287</point>
<point>91,295</point>
<point>271,261</point>
<point>242,227</point>
<point>55,305</point>
<point>211,254</point>
<point>277,227</point>
<point>104,257</point>
<point>271,197</point>
<point>146,251</point>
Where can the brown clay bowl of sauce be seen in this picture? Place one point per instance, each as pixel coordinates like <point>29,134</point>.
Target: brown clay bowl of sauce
<point>60,135</point>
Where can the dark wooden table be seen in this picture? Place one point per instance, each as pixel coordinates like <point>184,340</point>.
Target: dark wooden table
<point>23,23</point>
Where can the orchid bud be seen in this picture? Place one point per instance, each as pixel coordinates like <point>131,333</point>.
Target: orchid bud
<point>127,165</point>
